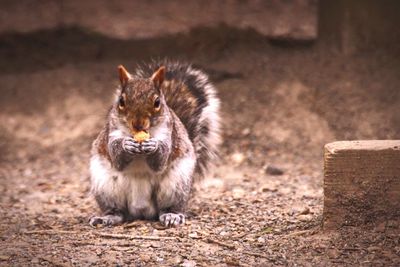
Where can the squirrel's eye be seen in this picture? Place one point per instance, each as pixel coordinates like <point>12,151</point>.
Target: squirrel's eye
<point>121,102</point>
<point>157,103</point>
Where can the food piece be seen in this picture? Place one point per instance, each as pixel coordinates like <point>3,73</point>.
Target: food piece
<point>141,136</point>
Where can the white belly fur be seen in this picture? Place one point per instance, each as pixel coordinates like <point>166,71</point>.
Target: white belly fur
<point>132,188</point>
<point>129,189</point>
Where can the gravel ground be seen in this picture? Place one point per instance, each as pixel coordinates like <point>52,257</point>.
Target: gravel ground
<point>261,205</point>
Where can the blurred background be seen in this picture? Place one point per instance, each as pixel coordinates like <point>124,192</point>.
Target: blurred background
<point>292,75</point>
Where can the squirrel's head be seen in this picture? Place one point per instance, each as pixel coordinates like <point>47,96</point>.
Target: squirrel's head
<point>139,101</point>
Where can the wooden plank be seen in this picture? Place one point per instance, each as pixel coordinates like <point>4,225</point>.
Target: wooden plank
<point>361,183</point>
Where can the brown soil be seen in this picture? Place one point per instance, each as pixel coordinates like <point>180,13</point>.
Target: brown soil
<point>281,104</point>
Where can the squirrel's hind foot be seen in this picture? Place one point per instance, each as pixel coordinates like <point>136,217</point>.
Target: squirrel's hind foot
<point>172,219</point>
<point>108,220</point>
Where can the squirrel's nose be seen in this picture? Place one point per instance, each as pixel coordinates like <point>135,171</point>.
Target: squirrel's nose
<point>142,124</point>
<point>138,127</point>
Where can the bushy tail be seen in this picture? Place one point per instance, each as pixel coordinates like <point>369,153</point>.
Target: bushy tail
<point>193,98</point>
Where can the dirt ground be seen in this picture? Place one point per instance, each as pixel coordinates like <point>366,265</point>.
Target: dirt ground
<point>280,102</point>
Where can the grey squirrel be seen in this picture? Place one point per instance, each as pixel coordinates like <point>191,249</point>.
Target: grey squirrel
<point>175,110</point>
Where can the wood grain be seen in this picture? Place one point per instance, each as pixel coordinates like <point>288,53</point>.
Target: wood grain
<point>361,183</point>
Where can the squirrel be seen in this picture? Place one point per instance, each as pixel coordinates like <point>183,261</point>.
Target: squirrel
<point>177,108</point>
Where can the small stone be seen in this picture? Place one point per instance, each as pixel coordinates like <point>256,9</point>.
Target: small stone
<point>145,245</point>
<point>145,257</point>
<point>393,224</point>
<point>238,193</point>
<point>155,244</point>
<point>176,260</point>
<point>90,259</point>
<point>4,258</point>
<point>237,157</point>
<point>333,253</point>
<point>232,262</point>
<point>55,210</point>
<point>188,263</point>
<point>99,252</point>
<point>249,239</point>
<point>28,172</point>
<point>305,211</point>
<point>223,233</point>
<point>380,228</point>
<point>268,188</point>
<point>194,235</point>
<point>246,131</point>
<point>273,170</point>
<point>305,218</point>
<point>373,249</point>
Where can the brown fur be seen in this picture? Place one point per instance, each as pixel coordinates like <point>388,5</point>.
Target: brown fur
<point>180,99</point>
<point>101,144</point>
<point>139,97</point>
<point>175,105</point>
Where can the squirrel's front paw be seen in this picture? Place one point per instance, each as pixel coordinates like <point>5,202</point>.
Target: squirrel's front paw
<point>131,146</point>
<point>172,219</point>
<point>108,220</point>
<point>150,146</point>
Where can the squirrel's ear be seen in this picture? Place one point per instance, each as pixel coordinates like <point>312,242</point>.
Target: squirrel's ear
<point>158,76</point>
<point>124,75</point>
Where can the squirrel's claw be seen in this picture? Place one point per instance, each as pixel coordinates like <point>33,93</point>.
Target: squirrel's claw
<point>150,146</point>
<point>172,219</point>
<point>131,146</point>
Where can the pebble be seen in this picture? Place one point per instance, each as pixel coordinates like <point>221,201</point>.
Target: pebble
<point>99,252</point>
<point>188,263</point>
<point>238,193</point>
<point>381,227</point>
<point>268,188</point>
<point>305,218</point>
<point>373,249</point>
<point>237,158</point>
<point>223,233</point>
<point>246,131</point>
<point>90,259</point>
<point>194,235</point>
<point>305,211</point>
<point>155,244</point>
<point>176,260</point>
<point>274,170</point>
<point>4,257</point>
<point>333,253</point>
<point>28,172</point>
<point>145,257</point>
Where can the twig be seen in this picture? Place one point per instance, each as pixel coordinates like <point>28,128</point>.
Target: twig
<point>86,243</point>
<point>142,237</point>
<point>230,246</point>
<point>338,261</point>
<point>55,262</point>
<point>298,233</point>
<point>258,255</point>
<point>133,224</point>
<point>49,232</point>
<point>239,236</point>
<point>351,249</point>
<point>235,262</point>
